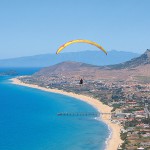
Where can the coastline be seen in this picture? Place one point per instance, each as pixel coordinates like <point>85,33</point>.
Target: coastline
<point>114,140</point>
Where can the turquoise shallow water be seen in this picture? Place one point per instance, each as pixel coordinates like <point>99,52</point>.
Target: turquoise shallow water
<point>29,121</point>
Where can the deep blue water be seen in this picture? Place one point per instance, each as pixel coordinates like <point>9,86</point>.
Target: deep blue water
<point>29,121</point>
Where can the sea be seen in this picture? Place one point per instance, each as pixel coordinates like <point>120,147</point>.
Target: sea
<point>29,120</point>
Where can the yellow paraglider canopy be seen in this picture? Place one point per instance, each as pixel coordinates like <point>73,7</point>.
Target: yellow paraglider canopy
<point>80,41</point>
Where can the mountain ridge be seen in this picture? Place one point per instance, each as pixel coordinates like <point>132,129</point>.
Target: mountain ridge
<point>89,57</point>
<point>135,62</point>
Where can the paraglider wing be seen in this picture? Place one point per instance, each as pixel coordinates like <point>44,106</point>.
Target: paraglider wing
<point>80,41</point>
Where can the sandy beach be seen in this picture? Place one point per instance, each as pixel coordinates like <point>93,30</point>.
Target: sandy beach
<point>114,139</point>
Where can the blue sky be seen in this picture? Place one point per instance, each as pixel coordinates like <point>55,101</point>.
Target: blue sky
<point>30,27</point>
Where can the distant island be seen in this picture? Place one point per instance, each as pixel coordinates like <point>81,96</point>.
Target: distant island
<point>9,73</point>
<point>125,87</point>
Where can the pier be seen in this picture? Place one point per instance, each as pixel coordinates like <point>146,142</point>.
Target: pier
<point>82,114</point>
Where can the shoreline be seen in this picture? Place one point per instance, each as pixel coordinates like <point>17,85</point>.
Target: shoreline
<point>114,140</point>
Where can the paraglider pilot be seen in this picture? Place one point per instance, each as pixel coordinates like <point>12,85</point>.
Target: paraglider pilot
<point>81,81</point>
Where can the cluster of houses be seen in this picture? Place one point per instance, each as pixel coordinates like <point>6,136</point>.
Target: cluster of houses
<point>135,121</point>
